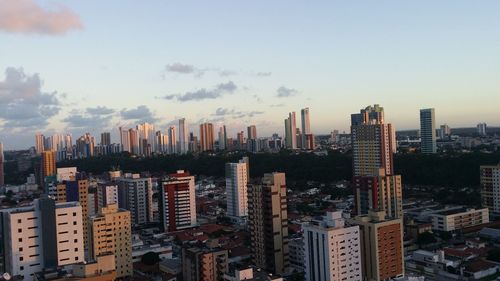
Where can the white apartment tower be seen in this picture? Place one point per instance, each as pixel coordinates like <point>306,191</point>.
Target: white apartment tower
<point>332,251</point>
<point>183,136</point>
<point>172,136</point>
<point>306,127</point>
<point>135,194</point>
<point>44,235</point>
<point>236,188</point>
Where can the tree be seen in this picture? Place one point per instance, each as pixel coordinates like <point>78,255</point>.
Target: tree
<point>426,238</point>
<point>150,258</point>
<point>494,255</point>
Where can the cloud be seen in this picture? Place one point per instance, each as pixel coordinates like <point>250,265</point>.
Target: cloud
<point>23,105</point>
<point>141,113</point>
<point>100,110</point>
<point>226,112</point>
<point>277,105</point>
<point>204,94</point>
<point>263,74</point>
<point>27,16</point>
<point>180,68</point>
<point>284,92</point>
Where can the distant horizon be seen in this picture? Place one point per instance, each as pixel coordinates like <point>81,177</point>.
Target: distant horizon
<point>74,68</point>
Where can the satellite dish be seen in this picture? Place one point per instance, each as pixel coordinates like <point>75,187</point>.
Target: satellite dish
<point>6,276</point>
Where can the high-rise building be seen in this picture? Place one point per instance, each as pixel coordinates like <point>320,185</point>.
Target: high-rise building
<point>222,138</point>
<point>206,137</point>
<point>204,264</point>
<point>381,246</point>
<point>306,128</point>
<point>43,235</point>
<point>85,146</point>
<point>172,146</point>
<point>146,136</point>
<point>107,193</point>
<point>373,142</point>
<point>240,137</point>
<point>125,140</point>
<point>252,132</point>
<point>135,194</point>
<point>444,131</point>
<point>110,232</point>
<point>481,129</point>
<point>2,177</point>
<point>290,131</point>
<point>382,192</point>
<point>332,250</point>
<point>428,131</point>
<point>106,138</point>
<point>48,164</point>
<point>39,143</point>
<point>134,141</point>
<point>236,188</point>
<point>268,223</point>
<point>177,202</point>
<point>490,188</point>
<point>183,136</point>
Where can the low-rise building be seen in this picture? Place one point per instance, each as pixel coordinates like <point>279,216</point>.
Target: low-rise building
<point>456,219</point>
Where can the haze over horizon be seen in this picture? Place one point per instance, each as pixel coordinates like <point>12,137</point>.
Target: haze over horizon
<point>69,67</point>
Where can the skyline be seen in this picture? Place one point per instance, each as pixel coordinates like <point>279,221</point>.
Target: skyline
<point>216,62</point>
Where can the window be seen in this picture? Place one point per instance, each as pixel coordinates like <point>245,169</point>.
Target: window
<point>74,223</point>
<point>19,221</point>
<point>19,230</point>
<point>21,258</point>
<point>20,239</point>
<point>74,214</point>
<point>76,240</point>
<point>20,249</point>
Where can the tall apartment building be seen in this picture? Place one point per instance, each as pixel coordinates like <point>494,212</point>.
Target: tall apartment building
<point>332,250</point>
<point>39,143</point>
<point>490,187</point>
<point>135,194</point>
<point>2,177</point>
<point>107,193</point>
<point>268,223</point>
<point>204,264</point>
<point>44,235</point>
<point>373,142</point>
<point>290,131</point>
<point>172,136</point>
<point>222,138</point>
<point>48,163</point>
<point>75,190</point>
<point>306,128</point>
<point>177,206</point>
<point>236,188</point>
<point>428,131</point>
<point>110,232</point>
<point>481,129</point>
<point>252,132</point>
<point>183,136</point>
<point>382,192</point>
<point>206,137</point>
<point>106,138</point>
<point>381,246</point>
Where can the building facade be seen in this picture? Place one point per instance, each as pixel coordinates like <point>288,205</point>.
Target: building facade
<point>453,220</point>
<point>490,187</point>
<point>135,194</point>
<point>428,131</point>
<point>204,264</point>
<point>236,188</point>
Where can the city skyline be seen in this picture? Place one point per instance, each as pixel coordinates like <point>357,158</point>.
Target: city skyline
<point>156,70</point>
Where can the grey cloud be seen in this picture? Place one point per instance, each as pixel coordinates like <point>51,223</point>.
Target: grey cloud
<point>23,105</point>
<point>263,74</point>
<point>203,94</point>
<point>180,68</point>
<point>284,92</point>
<point>100,110</point>
<point>277,105</point>
<point>141,113</point>
<point>27,16</point>
<point>226,112</point>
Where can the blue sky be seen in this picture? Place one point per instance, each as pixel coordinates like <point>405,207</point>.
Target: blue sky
<point>109,63</point>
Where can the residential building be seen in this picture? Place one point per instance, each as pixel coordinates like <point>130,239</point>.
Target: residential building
<point>101,269</point>
<point>457,219</point>
<point>481,129</point>
<point>107,193</point>
<point>332,250</point>
<point>306,128</point>
<point>125,140</point>
<point>177,201</point>
<point>106,138</point>
<point>268,222</point>
<point>110,232</point>
<point>172,137</point>
<point>39,143</point>
<point>2,177</point>
<point>222,138</point>
<point>490,187</point>
<point>48,164</point>
<point>44,235</point>
<point>135,194</point>
<point>428,131</point>
<point>206,137</point>
<point>381,246</point>
<point>204,264</point>
<point>183,136</point>
<point>290,131</point>
<point>236,188</point>
<point>296,254</point>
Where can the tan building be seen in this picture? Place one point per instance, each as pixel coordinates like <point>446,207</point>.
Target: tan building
<point>457,219</point>
<point>102,269</point>
<point>490,188</point>
<point>110,232</point>
<point>48,164</point>
<point>206,137</point>
<point>268,222</point>
<point>381,246</point>
<point>204,264</point>
<point>76,190</point>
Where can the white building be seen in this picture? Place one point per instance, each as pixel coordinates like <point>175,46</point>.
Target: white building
<point>451,220</point>
<point>236,188</point>
<point>66,174</point>
<point>136,195</point>
<point>183,136</point>
<point>332,251</point>
<point>44,235</point>
<point>107,193</point>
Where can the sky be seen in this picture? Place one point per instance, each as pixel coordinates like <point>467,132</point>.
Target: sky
<point>91,66</point>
